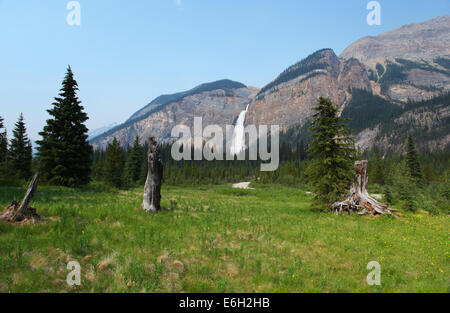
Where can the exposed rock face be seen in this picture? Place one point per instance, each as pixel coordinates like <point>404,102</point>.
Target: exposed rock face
<point>408,63</point>
<point>427,41</point>
<point>432,122</point>
<point>219,106</point>
<point>288,103</point>
<point>411,62</point>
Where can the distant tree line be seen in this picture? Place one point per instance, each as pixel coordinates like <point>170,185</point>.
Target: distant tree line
<point>322,161</point>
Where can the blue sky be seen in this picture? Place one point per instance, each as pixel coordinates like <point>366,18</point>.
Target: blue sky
<point>125,53</point>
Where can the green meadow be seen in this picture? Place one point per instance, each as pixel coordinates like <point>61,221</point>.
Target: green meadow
<point>216,239</point>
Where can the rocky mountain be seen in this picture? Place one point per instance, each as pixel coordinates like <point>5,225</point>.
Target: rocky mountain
<point>411,62</point>
<point>382,83</point>
<point>406,65</point>
<point>289,99</point>
<point>219,103</point>
<point>99,131</point>
<point>386,124</point>
<point>426,41</point>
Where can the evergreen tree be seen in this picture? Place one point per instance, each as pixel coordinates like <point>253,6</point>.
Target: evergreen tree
<point>3,144</point>
<point>114,163</point>
<point>378,168</point>
<point>412,158</point>
<point>97,165</point>
<point>429,174</point>
<point>133,167</point>
<point>331,170</point>
<point>20,152</point>
<point>64,152</point>
<point>408,194</point>
<point>300,151</point>
<point>388,197</point>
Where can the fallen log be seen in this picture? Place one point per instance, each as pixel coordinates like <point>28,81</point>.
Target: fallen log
<point>21,212</point>
<point>152,190</point>
<point>359,199</point>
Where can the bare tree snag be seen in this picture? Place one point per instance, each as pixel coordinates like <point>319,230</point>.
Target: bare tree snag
<point>359,199</point>
<point>152,191</point>
<point>30,193</point>
<point>22,213</point>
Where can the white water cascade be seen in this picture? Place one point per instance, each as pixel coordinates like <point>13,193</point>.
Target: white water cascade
<point>238,141</point>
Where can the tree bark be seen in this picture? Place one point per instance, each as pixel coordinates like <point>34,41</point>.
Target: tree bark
<point>30,193</point>
<point>359,199</point>
<point>152,191</point>
<point>21,213</point>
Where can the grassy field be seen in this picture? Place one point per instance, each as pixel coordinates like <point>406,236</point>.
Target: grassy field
<point>216,239</point>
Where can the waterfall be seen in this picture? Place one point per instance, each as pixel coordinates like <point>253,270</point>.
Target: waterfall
<point>238,141</point>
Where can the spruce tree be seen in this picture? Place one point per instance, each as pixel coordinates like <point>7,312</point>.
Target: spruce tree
<point>114,163</point>
<point>332,149</point>
<point>429,174</point>
<point>97,165</point>
<point>388,197</point>
<point>64,152</point>
<point>3,145</point>
<point>408,194</point>
<point>20,152</point>
<point>412,159</point>
<point>378,168</point>
<point>300,151</point>
<point>133,166</point>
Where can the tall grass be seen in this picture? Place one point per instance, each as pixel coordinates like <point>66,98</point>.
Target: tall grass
<point>216,239</point>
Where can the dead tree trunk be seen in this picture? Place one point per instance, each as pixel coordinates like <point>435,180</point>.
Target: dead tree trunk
<point>30,193</point>
<point>152,191</point>
<point>20,213</point>
<point>359,199</point>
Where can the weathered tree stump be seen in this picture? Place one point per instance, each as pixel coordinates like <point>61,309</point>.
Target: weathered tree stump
<point>152,191</point>
<point>359,199</point>
<point>22,213</point>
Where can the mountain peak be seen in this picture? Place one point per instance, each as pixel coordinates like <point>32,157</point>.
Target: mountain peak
<point>224,84</point>
<point>425,40</point>
<point>324,59</point>
<point>219,84</point>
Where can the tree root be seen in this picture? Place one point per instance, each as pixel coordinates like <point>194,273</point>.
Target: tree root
<point>359,199</point>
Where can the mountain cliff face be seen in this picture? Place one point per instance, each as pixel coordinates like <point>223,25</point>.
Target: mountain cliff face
<point>289,99</point>
<point>380,82</point>
<point>411,62</point>
<point>427,41</point>
<point>378,121</point>
<point>218,103</point>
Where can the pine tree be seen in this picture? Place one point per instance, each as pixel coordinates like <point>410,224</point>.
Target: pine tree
<point>64,152</point>
<point>408,194</point>
<point>97,165</point>
<point>412,159</point>
<point>429,174</point>
<point>388,197</point>
<point>20,152</point>
<point>331,170</point>
<point>134,163</point>
<point>378,168</point>
<point>300,151</point>
<point>3,145</point>
<point>114,163</point>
